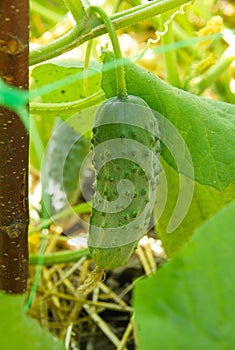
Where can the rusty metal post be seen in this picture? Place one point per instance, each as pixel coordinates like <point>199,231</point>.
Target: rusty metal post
<point>14,144</point>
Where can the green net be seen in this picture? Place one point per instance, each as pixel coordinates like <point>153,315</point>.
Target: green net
<point>16,100</point>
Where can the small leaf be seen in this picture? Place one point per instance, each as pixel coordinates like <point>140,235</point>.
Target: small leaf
<point>59,81</point>
<point>18,331</point>
<point>63,81</point>
<point>189,303</point>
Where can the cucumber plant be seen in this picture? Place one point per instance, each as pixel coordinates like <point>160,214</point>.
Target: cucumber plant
<point>125,157</point>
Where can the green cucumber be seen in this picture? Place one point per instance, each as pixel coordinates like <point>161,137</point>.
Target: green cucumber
<point>125,157</point>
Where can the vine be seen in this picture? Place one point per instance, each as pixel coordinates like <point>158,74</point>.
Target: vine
<point>90,29</point>
<point>120,73</point>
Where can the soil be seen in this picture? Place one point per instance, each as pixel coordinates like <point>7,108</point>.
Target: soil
<point>100,319</point>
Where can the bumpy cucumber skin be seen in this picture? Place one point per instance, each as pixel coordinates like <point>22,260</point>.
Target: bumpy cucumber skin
<point>111,124</point>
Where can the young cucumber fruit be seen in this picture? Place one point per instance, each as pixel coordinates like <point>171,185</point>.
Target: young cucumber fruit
<point>125,157</point>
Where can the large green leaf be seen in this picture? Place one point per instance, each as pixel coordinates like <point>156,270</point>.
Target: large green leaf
<point>18,331</point>
<point>207,127</point>
<point>189,303</point>
<point>174,227</point>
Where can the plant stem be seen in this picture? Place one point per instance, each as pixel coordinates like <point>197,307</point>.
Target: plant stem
<point>117,5</point>
<point>37,273</point>
<point>213,74</point>
<point>92,29</point>
<point>148,10</point>
<point>171,59</point>
<point>86,66</point>
<point>79,209</point>
<point>61,257</point>
<point>14,146</point>
<point>120,73</point>
<point>45,12</point>
<point>76,8</point>
<point>73,105</point>
<point>36,141</point>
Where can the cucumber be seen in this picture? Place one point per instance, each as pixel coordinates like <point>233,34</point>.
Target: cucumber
<point>126,150</point>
